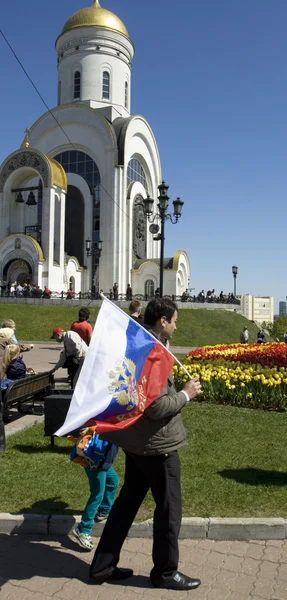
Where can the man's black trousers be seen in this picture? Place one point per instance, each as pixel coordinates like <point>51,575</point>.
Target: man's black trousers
<point>161,474</point>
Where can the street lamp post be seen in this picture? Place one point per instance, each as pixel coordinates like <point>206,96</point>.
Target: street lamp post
<point>163,216</point>
<point>234,271</point>
<point>94,249</point>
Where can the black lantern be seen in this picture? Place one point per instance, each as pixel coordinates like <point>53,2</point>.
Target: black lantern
<point>177,208</point>
<point>94,248</point>
<point>88,247</point>
<point>234,271</point>
<point>148,205</point>
<point>163,197</point>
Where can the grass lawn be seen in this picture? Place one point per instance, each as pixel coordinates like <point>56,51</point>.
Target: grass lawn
<point>235,466</point>
<point>195,327</point>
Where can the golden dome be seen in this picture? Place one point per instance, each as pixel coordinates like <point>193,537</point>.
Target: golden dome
<point>95,16</point>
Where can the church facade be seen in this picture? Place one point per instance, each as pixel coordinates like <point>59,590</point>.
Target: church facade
<point>71,198</point>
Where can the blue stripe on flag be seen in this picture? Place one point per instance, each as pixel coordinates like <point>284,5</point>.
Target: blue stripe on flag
<point>139,345</point>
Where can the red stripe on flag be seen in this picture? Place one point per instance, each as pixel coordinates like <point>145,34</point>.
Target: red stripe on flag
<point>152,380</point>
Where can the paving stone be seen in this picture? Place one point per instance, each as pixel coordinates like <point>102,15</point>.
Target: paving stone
<point>194,557</point>
<point>280,592</point>
<point>222,547</point>
<point>250,566</point>
<point>10,592</point>
<point>263,588</point>
<point>217,592</point>
<point>238,548</point>
<point>282,572</point>
<point>232,563</point>
<point>275,543</point>
<point>268,570</point>
<point>255,551</point>
<point>272,554</point>
<point>243,584</point>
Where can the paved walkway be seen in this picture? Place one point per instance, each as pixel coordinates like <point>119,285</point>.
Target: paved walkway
<point>39,569</point>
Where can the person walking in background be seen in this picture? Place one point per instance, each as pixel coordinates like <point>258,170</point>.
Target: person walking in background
<point>151,446</point>
<point>244,336</point>
<point>82,327</point>
<point>261,337</point>
<point>135,310</point>
<point>129,292</point>
<point>103,481</point>
<point>70,294</point>
<point>116,291</point>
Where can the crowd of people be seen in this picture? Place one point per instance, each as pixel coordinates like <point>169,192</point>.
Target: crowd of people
<point>28,290</point>
<point>210,296</point>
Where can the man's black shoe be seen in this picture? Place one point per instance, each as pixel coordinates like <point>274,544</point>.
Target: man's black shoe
<point>115,574</point>
<point>176,581</point>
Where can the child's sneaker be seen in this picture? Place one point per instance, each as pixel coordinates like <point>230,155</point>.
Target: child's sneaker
<point>84,539</point>
<point>100,517</point>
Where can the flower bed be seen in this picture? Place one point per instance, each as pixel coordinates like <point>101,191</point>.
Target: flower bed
<point>249,375</point>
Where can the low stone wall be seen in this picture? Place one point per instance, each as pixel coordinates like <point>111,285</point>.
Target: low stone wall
<point>121,303</point>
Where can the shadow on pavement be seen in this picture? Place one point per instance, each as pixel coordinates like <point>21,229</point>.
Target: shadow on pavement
<point>256,476</point>
<point>23,557</point>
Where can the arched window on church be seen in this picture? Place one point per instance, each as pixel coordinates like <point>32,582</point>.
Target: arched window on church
<point>149,288</point>
<point>74,161</point>
<point>126,94</point>
<point>106,85</point>
<point>135,172</point>
<point>77,85</point>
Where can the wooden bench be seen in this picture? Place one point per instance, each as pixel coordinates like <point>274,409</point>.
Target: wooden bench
<point>29,389</point>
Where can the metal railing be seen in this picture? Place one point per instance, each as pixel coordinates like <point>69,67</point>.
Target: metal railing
<point>64,295</point>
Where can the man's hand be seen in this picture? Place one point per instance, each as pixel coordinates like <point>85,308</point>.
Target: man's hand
<point>193,388</point>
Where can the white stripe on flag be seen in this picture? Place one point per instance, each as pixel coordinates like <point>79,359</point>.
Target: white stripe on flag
<point>91,396</point>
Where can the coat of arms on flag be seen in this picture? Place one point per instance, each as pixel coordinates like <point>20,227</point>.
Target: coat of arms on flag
<point>123,386</point>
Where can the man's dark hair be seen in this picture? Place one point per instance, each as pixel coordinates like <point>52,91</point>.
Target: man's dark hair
<point>156,309</point>
<point>84,314</point>
<point>134,306</point>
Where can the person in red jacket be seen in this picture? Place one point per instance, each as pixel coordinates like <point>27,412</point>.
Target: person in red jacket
<point>82,327</point>
<point>47,293</point>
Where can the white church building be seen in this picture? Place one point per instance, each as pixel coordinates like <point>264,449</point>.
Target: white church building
<point>82,173</point>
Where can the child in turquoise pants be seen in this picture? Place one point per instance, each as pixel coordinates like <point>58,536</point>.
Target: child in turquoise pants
<point>103,483</point>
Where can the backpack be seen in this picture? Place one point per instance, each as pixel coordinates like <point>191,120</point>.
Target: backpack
<point>89,450</point>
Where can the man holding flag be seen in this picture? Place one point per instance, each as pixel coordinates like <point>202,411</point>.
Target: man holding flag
<point>150,431</point>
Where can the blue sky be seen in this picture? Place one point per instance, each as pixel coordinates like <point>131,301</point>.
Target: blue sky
<point>210,77</point>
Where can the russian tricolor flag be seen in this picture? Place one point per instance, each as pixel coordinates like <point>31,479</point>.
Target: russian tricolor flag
<point>124,371</point>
